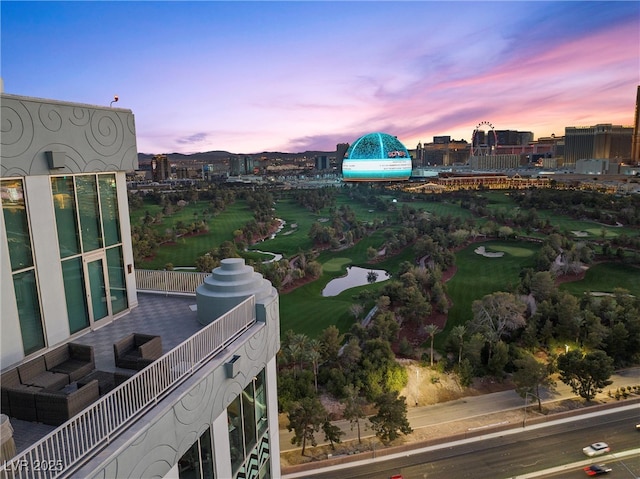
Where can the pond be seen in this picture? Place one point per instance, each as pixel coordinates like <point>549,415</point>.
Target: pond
<point>355,277</point>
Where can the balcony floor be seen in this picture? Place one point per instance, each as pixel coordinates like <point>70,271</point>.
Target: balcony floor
<point>171,317</point>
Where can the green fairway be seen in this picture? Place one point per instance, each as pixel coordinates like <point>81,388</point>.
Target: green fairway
<point>478,276</point>
<point>566,224</point>
<point>294,237</point>
<point>185,251</point>
<point>305,310</point>
<point>605,277</point>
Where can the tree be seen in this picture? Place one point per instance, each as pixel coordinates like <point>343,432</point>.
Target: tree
<point>313,354</point>
<point>354,407</point>
<point>431,330</point>
<point>587,374</point>
<point>458,333</point>
<point>356,310</point>
<point>305,418</point>
<point>372,277</point>
<point>542,285</point>
<point>383,302</point>
<point>496,315</point>
<point>391,419</point>
<point>295,349</point>
<point>331,340</point>
<point>530,376</point>
<point>332,432</point>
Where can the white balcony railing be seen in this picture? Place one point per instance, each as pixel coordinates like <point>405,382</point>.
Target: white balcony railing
<point>183,282</point>
<point>70,445</point>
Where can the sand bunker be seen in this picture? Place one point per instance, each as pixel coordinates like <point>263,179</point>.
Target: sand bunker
<point>486,254</point>
<point>580,234</point>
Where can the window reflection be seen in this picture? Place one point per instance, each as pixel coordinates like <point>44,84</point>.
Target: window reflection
<point>16,226</point>
<point>197,462</point>
<point>247,422</point>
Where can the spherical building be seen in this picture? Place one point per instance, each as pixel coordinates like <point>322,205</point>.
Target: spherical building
<point>376,157</point>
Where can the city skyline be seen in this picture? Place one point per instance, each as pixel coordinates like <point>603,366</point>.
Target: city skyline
<point>248,77</point>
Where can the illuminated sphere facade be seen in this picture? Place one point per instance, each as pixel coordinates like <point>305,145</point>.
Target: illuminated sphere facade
<point>376,157</point>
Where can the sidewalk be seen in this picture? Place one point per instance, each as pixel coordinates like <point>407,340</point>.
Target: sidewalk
<point>465,417</point>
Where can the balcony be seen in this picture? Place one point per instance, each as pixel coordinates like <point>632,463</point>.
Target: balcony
<point>187,345</point>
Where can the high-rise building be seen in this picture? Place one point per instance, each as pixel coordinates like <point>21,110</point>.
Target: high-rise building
<point>602,141</point>
<point>322,162</point>
<point>341,151</point>
<point>120,383</point>
<point>160,168</point>
<point>635,147</point>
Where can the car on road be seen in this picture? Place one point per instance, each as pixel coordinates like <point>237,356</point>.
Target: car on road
<point>596,449</point>
<point>597,469</point>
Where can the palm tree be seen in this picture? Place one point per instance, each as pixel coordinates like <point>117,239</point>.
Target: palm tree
<point>432,330</point>
<point>314,355</point>
<point>458,332</point>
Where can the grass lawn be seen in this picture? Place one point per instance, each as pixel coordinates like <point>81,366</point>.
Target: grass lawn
<point>187,249</point>
<point>605,277</point>
<point>305,310</point>
<point>500,200</point>
<point>295,235</point>
<point>478,276</point>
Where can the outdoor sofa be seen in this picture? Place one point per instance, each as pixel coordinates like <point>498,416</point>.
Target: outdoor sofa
<point>18,400</point>
<point>72,359</point>
<point>57,407</point>
<point>137,351</point>
<point>52,371</point>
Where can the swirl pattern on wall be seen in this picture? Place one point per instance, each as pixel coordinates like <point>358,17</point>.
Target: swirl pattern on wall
<point>17,130</point>
<point>102,139</point>
<point>80,116</point>
<point>105,133</point>
<point>191,406</point>
<point>257,344</point>
<point>50,117</point>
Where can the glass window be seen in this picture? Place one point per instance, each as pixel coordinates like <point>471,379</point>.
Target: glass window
<point>117,286</point>
<point>89,212</point>
<point>109,207</point>
<point>236,442</point>
<point>197,462</point>
<point>16,224</point>
<point>29,311</point>
<point>25,286</point>
<point>249,416</point>
<point>206,454</point>
<point>64,202</point>
<point>261,403</point>
<point>98,289</point>
<point>189,463</point>
<point>75,294</point>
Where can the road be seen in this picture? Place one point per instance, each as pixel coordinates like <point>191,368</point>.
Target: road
<point>469,407</point>
<point>540,451</point>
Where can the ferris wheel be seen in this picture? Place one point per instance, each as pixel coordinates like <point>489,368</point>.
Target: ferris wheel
<point>483,146</point>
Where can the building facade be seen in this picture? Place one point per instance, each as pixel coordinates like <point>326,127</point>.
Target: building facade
<point>67,260</point>
<point>208,406</point>
<point>160,168</point>
<point>603,141</point>
<point>635,147</point>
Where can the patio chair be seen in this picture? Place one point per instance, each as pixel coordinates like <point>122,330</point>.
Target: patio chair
<point>137,351</point>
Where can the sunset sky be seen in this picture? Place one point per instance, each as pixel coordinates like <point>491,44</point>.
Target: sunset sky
<point>248,77</point>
